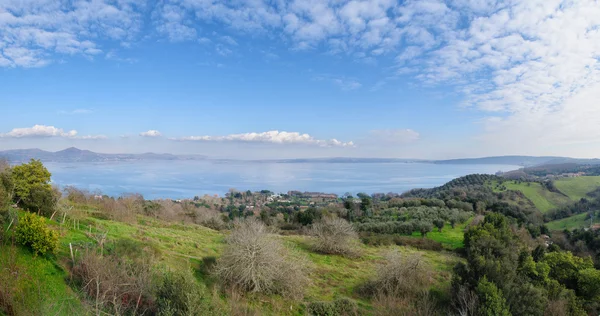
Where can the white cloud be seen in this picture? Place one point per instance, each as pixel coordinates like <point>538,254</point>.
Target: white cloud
<point>76,111</point>
<point>229,40</point>
<point>343,83</point>
<point>524,61</point>
<point>395,135</point>
<point>34,31</point>
<point>47,131</point>
<point>273,137</point>
<point>151,133</point>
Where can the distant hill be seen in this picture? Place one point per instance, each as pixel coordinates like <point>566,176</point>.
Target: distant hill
<point>524,161</point>
<point>77,155</point>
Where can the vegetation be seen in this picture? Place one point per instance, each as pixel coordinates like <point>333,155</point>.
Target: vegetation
<point>577,188</point>
<point>256,262</point>
<point>297,253</point>
<point>33,232</point>
<point>334,236</point>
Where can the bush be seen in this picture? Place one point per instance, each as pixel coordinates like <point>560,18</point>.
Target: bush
<point>321,309</point>
<point>345,306</point>
<point>401,275</point>
<point>256,262</point>
<point>115,285</point>
<point>334,236</point>
<point>339,307</point>
<point>179,294</point>
<point>33,232</point>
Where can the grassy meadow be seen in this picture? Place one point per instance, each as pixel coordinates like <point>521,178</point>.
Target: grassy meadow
<point>179,246</point>
<point>575,221</point>
<point>577,187</point>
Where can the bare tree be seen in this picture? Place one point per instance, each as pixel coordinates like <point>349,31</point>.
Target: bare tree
<point>465,301</point>
<point>334,236</point>
<point>255,261</point>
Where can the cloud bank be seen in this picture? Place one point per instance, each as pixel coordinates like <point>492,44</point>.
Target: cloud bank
<point>272,137</point>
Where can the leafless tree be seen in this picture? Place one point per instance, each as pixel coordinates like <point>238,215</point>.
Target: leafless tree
<point>256,261</point>
<point>465,302</point>
<point>334,236</point>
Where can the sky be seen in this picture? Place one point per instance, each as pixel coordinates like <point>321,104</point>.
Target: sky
<point>302,78</point>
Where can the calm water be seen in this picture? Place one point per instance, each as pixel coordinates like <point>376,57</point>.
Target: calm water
<point>185,179</point>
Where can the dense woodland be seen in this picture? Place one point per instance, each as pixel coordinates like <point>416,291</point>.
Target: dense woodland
<point>508,263</point>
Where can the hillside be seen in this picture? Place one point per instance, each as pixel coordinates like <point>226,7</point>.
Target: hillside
<point>256,253</point>
<point>543,199</point>
<point>578,187</point>
<point>179,246</point>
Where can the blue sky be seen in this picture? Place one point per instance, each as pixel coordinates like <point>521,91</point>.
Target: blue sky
<point>260,79</point>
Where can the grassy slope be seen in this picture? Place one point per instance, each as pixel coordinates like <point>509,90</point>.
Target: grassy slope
<point>451,238</point>
<point>43,282</point>
<point>576,188</point>
<point>186,245</point>
<point>543,199</point>
<point>575,221</point>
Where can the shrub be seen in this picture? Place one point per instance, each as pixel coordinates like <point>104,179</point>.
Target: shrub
<point>334,236</point>
<point>33,232</point>
<point>321,309</point>
<point>339,307</point>
<point>401,275</point>
<point>345,306</point>
<point>256,262</point>
<point>179,294</point>
<point>115,285</point>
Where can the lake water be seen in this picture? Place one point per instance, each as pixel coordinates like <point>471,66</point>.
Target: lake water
<point>185,179</point>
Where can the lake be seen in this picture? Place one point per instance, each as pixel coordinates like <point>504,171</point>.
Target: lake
<point>185,179</point>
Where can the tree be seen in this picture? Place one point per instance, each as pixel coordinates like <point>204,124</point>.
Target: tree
<point>424,228</point>
<point>439,223</point>
<point>589,283</point>
<point>32,187</point>
<point>365,203</point>
<point>309,216</point>
<point>28,175</point>
<point>565,267</point>
<point>491,301</point>
<point>6,186</point>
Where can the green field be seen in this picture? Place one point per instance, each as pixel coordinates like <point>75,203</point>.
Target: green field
<point>179,246</point>
<point>577,188</point>
<point>543,199</point>
<point>451,238</point>
<point>575,221</point>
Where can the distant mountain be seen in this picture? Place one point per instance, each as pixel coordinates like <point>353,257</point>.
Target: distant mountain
<point>345,160</point>
<point>77,155</point>
<point>525,161</point>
